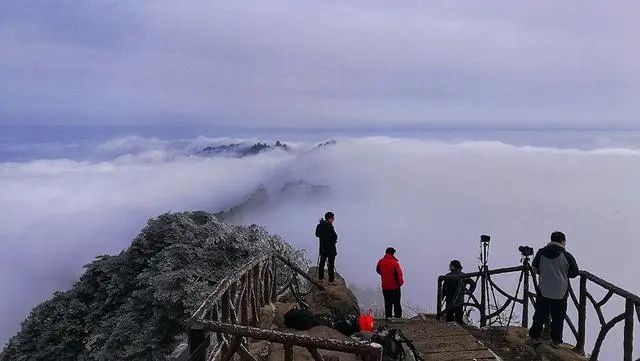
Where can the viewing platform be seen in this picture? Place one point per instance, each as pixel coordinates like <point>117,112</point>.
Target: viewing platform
<point>442,341</point>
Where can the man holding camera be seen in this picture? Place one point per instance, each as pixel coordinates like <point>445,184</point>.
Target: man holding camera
<point>555,266</point>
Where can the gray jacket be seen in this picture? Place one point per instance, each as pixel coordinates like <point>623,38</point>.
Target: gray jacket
<point>555,266</point>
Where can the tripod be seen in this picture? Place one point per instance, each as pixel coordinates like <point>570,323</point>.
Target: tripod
<point>487,287</point>
<point>523,279</point>
<point>489,307</point>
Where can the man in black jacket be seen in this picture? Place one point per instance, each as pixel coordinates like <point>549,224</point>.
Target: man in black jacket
<point>555,266</point>
<point>453,290</point>
<point>328,239</point>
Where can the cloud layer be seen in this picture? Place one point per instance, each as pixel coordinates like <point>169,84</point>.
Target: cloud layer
<point>320,64</point>
<point>430,200</point>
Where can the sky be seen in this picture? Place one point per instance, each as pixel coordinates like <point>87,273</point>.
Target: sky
<point>321,64</point>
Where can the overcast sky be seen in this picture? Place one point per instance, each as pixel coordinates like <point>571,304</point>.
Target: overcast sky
<point>312,64</point>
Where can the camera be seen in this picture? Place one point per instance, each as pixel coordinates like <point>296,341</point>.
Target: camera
<point>526,251</point>
<point>485,239</point>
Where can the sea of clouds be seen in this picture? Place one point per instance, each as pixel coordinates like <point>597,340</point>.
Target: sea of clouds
<point>429,199</point>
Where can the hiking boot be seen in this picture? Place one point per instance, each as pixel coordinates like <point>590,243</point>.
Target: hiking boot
<point>534,341</point>
<point>556,344</point>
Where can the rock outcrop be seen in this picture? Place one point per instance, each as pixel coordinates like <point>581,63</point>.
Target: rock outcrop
<point>336,302</point>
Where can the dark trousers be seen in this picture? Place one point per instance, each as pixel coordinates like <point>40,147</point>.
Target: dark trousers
<point>546,307</point>
<point>455,313</point>
<point>330,261</point>
<point>392,304</point>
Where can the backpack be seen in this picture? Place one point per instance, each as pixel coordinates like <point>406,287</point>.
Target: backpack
<point>299,319</point>
<point>391,341</point>
<point>347,326</point>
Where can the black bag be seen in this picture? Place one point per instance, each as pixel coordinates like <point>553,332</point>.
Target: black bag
<point>299,319</point>
<point>391,342</point>
<point>348,326</point>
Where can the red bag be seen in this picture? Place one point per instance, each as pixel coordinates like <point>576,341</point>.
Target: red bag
<point>366,322</point>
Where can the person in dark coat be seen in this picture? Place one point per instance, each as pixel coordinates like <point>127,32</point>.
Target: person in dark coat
<point>555,266</point>
<point>328,252</point>
<point>454,291</point>
<point>392,280</point>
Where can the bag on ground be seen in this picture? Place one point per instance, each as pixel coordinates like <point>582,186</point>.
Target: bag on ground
<point>366,322</point>
<point>347,326</point>
<point>392,349</point>
<point>299,319</point>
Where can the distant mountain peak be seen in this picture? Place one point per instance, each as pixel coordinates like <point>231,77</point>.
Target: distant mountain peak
<point>240,150</point>
<point>327,143</point>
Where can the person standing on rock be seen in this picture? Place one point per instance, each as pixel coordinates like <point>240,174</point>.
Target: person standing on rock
<point>391,275</point>
<point>555,266</point>
<point>328,239</point>
<point>454,290</point>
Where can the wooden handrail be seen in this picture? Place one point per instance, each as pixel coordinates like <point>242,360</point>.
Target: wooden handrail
<point>492,272</point>
<point>286,338</point>
<point>300,272</point>
<point>610,287</point>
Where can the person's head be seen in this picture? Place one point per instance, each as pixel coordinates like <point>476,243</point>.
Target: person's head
<point>558,237</point>
<point>390,250</point>
<point>329,217</point>
<point>455,265</point>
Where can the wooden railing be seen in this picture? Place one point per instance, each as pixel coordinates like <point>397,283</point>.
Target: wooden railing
<point>628,316</point>
<point>581,301</point>
<point>228,319</point>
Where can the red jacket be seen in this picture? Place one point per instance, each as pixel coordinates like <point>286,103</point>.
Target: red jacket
<point>389,270</point>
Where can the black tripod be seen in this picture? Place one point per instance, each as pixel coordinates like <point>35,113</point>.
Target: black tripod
<point>524,279</point>
<point>488,290</point>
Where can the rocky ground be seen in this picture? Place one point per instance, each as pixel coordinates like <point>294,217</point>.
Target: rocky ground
<point>512,347</point>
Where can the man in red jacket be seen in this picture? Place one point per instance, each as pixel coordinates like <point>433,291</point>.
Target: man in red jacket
<point>391,274</point>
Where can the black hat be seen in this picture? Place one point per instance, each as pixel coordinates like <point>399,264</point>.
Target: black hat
<point>558,237</point>
<point>390,250</point>
<point>456,264</point>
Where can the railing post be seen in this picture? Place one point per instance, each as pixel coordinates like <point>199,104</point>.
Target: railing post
<point>582,315</point>
<point>483,297</point>
<point>245,299</point>
<point>374,354</point>
<point>274,285</point>
<point>288,352</point>
<point>439,301</point>
<point>525,295</point>
<point>195,338</point>
<point>628,330</point>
